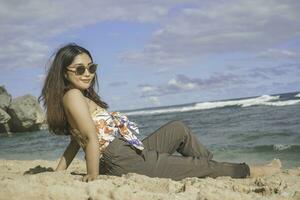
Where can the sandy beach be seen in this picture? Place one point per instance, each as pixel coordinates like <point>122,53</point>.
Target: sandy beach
<point>68,185</point>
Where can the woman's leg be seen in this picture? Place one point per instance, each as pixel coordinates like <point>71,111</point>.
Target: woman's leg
<point>121,158</point>
<point>196,160</point>
<point>176,136</point>
<point>156,160</point>
<point>178,167</point>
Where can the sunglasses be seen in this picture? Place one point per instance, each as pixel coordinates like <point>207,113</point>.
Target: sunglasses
<point>80,69</point>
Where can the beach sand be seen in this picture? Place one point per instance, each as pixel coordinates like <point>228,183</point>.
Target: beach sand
<point>68,185</point>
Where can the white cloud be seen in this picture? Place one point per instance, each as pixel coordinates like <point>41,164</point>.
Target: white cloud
<point>279,54</point>
<point>202,28</point>
<point>162,70</point>
<point>154,100</point>
<point>182,83</point>
<point>26,26</point>
<point>270,72</point>
<point>221,27</point>
<point>22,53</point>
<point>152,56</point>
<point>148,89</point>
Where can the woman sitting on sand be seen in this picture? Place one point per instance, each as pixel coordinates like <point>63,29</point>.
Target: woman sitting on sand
<point>109,139</point>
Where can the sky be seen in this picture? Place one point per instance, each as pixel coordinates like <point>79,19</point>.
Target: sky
<point>160,52</point>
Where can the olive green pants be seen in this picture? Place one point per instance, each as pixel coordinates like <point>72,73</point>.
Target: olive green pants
<point>157,159</point>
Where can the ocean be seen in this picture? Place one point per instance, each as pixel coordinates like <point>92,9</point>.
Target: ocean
<point>254,130</point>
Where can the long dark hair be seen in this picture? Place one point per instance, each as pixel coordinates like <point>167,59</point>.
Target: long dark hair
<point>56,85</point>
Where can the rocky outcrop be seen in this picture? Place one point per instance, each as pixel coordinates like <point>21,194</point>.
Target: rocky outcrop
<point>4,118</point>
<point>26,114</point>
<point>20,114</point>
<point>5,98</point>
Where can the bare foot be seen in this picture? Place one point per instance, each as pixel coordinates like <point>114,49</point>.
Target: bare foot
<point>266,170</point>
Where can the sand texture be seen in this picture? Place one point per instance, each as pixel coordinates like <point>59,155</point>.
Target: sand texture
<point>68,185</point>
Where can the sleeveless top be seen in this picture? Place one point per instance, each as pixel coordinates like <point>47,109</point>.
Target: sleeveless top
<point>110,126</point>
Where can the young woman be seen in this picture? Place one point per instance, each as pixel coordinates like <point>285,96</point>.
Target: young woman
<point>108,138</point>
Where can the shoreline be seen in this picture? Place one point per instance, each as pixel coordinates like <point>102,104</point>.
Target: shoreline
<point>67,185</point>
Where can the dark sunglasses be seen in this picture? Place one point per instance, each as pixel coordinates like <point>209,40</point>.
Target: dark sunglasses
<point>80,69</point>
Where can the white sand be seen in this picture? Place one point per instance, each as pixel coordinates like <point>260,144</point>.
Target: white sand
<point>64,185</point>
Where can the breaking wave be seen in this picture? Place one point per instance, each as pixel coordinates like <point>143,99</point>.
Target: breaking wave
<point>278,147</point>
<point>261,100</point>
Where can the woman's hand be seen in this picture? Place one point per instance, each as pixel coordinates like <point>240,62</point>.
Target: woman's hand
<point>88,178</point>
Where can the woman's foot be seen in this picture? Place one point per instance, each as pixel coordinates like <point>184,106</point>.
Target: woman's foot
<point>266,170</point>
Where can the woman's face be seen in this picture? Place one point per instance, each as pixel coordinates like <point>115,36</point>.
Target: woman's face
<point>81,82</point>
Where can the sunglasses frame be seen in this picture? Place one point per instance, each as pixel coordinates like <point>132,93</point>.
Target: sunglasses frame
<point>86,68</point>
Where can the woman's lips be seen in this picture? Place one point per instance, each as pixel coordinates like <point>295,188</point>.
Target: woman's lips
<point>85,81</point>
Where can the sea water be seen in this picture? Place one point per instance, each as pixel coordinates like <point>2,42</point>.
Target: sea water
<point>253,130</point>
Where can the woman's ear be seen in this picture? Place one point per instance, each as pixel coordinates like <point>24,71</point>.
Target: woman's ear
<point>66,76</point>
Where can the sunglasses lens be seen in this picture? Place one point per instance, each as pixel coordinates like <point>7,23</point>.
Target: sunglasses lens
<point>80,70</point>
<point>93,68</point>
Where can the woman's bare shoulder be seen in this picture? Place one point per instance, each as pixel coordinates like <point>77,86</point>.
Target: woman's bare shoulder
<point>74,100</point>
<point>72,93</point>
<point>73,96</point>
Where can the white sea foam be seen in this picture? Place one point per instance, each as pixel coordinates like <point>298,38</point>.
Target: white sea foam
<point>297,95</point>
<point>162,110</point>
<point>281,147</point>
<point>261,100</point>
<point>242,102</point>
<point>281,103</point>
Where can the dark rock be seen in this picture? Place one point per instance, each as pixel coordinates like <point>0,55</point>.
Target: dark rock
<point>26,114</point>
<point>4,118</point>
<point>5,98</point>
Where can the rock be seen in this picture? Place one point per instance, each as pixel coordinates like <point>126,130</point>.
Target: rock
<point>26,114</point>
<point>4,118</point>
<point>5,98</point>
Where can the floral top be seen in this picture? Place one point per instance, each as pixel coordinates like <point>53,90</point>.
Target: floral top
<point>113,124</point>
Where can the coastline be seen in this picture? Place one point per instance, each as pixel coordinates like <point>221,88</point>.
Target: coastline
<point>67,185</point>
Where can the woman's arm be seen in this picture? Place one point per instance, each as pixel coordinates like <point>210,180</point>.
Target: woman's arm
<point>68,155</point>
<point>77,110</point>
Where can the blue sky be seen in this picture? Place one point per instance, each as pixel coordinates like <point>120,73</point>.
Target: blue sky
<point>157,53</point>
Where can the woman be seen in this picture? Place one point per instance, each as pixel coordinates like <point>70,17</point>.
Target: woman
<point>108,139</point>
